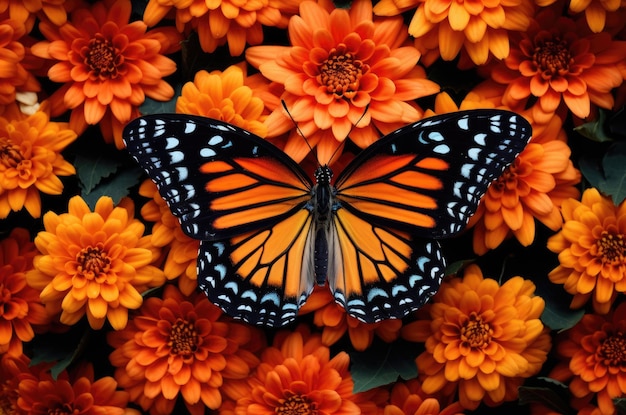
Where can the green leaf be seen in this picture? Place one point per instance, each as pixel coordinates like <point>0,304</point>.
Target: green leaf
<point>116,186</point>
<point>94,166</point>
<point>382,363</point>
<point>559,318</point>
<point>620,405</point>
<point>48,349</point>
<point>547,392</point>
<point>610,176</point>
<point>595,130</point>
<point>151,106</point>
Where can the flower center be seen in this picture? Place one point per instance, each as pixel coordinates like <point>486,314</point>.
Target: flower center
<point>93,262</point>
<point>63,409</point>
<point>8,398</point>
<point>341,72</point>
<point>102,57</point>
<point>611,248</point>
<point>297,405</point>
<point>552,57</point>
<point>10,154</point>
<point>476,333</point>
<point>613,350</point>
<point>183,339</point>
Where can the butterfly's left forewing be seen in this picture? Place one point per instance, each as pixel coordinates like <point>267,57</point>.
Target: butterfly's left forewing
<point>247,203</point>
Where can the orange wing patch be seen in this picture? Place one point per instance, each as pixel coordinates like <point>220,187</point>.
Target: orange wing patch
<point>277,257</point>
<point>366,254</point>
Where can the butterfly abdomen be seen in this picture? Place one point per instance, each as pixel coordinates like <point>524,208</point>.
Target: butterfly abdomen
<point>322,205</point>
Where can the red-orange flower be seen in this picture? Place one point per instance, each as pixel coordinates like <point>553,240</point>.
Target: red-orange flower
<point>532,187</point>
<point>482,339</point>
<point>179,346</point>
<point>221,21</point>
<point>107,65</point>
<point>340,62</point>
<point>557,64</point>
<point>15,75</point>
<point>297,375</point>
<point>94,262</point>
<point>480,28</point>
<point>591,250</point>
<point>20,307</point>
<point>77,394</point>
<point>594,359</point>
<point>30,159</point>
<point>408,398</point>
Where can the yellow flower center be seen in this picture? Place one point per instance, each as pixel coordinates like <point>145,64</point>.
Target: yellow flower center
<point>183,339</point>
<point>93,263</point>
<point>552,57</point>
<point>611,248</point>
<point>296,405</point>
<point>102,57</point>
<point>341,72</point>
<point>475,332</point>
<point>10,154</point>
<point>613,350</point>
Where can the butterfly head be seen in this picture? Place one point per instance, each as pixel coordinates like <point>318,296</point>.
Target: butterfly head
<point>323,175</point>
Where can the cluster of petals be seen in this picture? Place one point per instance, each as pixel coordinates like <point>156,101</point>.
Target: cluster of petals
<point>444,29</point>
<point>590,248</point>
<point>408,398</point>
<point>298,375</point>
<point>596,11</point>
<point>593,361</point>
<point>31,162</point>
<point>180,346</point>
<point>482,339</point>
<point>223,21</point>
<point>20,308</point>
<point>16,71</point>
<point>26,12</point>
<point>341,62</point>
<point>107,65</point>
<point>96,263</point>
<point>532,187</point>
<point>557,63</point>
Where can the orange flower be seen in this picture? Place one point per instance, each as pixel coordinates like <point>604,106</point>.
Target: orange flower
<point>595,11</point>
<point>533,187</point>
<point>408,398</point>
<point>95,263</point>
<point>480,28</point>
<point>107,65</point>
<point>238,22</point>
<point>180,346</point>
<point>555,63</point>
<point>31,161</point>
<point>340,62</point>
<point>224,96</point>
<point>593,359</point>
<point>11,366</point>
<point>335,322</point>
<point>25,11</point>
<point>15,72</point>
<point>182,252</point>
<point>481,339</point>
<point>20,307</point>
<point>297,375</point>
<point>591,250</point>
<point>78,394</point>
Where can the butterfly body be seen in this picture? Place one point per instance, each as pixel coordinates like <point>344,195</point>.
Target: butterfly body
<point>269,234</point>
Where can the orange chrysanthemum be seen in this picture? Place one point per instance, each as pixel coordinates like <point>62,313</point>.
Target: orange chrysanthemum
<point>20,307</point>
<point>480,28</point>
<point>481,338</point>
<point>15,71</point>
<point>25,11</point>
<point>340,62</point>
<point>408,398</point>
<point>107,65</point>
<point>595,10</point>
<point>594,360</point>
<point>179,346</point>
<point>555,63</point>
<point>224,96</point>
<point>95,263</point>
<point>591,250</point>
<point>30,161</point>
<point>335,322</point>
<point>532,187</point>
<point>221,21</point>
<point>297,375</point>
<point>77,394</point>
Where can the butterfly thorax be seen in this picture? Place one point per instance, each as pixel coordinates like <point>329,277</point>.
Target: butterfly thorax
<point>322,210</point>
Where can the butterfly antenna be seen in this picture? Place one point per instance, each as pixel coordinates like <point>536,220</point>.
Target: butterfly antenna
<point>351,128</point>
<point>282,101</point>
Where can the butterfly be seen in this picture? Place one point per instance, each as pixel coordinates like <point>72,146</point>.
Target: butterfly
<point>269,234</point>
